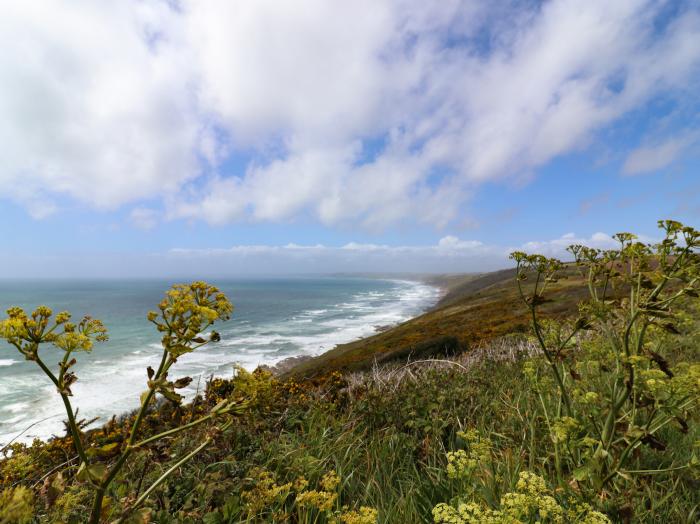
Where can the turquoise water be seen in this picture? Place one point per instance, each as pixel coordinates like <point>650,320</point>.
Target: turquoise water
<point>274,319</point>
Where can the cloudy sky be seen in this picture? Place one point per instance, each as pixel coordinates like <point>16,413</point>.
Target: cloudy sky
<point>154,137</point>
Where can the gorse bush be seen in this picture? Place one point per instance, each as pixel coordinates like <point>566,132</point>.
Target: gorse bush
<point>183,315</point>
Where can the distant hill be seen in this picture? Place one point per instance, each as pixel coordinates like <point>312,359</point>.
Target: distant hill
<point>475,308</point>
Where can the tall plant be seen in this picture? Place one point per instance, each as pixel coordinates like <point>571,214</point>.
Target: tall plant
<point>621,393</point>
<point>186,312</point>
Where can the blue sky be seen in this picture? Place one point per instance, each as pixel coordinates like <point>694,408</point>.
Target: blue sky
<point>154,138</point>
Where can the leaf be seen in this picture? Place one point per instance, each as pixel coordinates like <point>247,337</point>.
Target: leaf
<point>659,313</point>
<point>646,283</point>
<point>683,424</point>
<point>537,300</point>
<point>654,443</point>
<point>150,372</point>
<point>182,382</point>
<point>635,432</point>
<point>199,340</point>
<point>167,389</point>
<point>140,516</point>
<point>108,448</point>
<point>583,472</point>
<point>143,397</point>
<point>52,488</point>
<point>670,328</point>
<point>662,363</point>
<point>179,350</point>
<point>93,473</point>
<point>583,323</point>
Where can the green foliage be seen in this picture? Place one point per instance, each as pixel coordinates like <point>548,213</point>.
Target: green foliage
<point>16,505</point>
<point>618,392</point>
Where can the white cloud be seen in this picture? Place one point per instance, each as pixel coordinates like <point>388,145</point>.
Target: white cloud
<point>449,254</point>
<point>143,218</point>
<point>360,112</point>
<point>557,247</point>
<point>88,108</point>
<point>647,159</point>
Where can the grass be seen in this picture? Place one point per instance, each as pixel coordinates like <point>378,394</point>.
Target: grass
<point>475,309</point>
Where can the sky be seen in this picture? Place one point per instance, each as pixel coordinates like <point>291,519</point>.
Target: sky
<point>147,138</point>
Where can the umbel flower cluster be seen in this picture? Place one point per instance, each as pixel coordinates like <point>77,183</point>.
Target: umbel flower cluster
<point>461,464</point>
<point>184,316</point>
<point>294,502</point>
<point>530,502</point>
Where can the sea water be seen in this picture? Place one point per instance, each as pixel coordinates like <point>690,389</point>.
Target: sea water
<point>274,318</point>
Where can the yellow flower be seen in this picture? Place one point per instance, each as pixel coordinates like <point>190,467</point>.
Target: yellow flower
<point>563,428</point>
<point>321,500</point>
<point>530,483</point>
<point>365,515</point>
<point>330,481</point>
<point>265,492</point>
<point>62,317</point>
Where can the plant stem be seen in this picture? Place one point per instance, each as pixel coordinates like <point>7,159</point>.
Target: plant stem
<point>99,494</point>
<point>169,472</point>
<point>73,427</point>
<point>173,431</point>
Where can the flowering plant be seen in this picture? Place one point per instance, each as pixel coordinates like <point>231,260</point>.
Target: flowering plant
<point>615,389</point>
<point>183,316</point>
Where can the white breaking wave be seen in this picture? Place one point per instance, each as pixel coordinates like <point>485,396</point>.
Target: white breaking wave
<point>107,388</point>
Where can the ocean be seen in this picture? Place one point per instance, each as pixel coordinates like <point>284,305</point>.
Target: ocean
<point>274,318</point>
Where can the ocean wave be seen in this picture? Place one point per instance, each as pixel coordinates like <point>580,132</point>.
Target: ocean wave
<point>112,387</point>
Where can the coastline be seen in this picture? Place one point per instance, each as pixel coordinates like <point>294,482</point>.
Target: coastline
<point>441,283</point>
<point>44,420</point>
<point>451,324</point>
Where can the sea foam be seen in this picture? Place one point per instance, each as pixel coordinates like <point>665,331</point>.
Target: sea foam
<point>107,388</point>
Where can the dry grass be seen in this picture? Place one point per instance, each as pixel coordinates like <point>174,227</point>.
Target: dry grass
<point>390,376</point>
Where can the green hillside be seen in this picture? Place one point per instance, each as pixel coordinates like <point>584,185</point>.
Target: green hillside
<point>474,309</point>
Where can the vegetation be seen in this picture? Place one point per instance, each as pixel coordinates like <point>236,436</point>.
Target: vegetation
<point>184,313</point>
<point>475,308</point>
<point>589,416</point>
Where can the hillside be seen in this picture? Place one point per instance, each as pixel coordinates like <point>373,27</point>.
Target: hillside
<point>475,308</point>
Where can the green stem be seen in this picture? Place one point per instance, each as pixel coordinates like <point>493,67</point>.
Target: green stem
<point>149,396</point>
<point>73,427</point>
<point>173,431</point>
<point>165,475</point>
<point>653,471</point>
<point>552,364</point>
<point>99,494</point>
